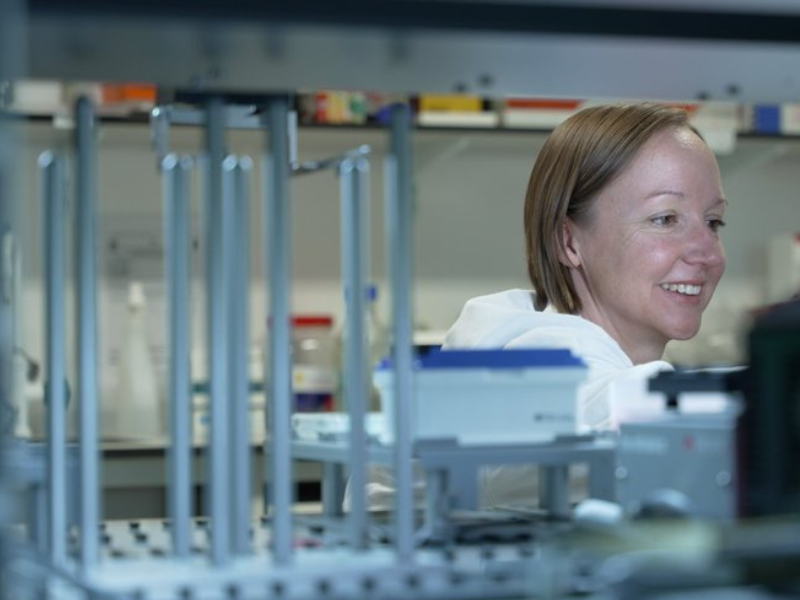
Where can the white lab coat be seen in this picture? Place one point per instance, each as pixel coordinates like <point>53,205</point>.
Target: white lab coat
<point>509,320</point>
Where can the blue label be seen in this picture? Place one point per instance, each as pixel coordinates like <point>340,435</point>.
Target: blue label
<point>494,359</point>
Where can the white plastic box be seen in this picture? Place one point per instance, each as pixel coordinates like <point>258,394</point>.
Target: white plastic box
<point>489,396</point>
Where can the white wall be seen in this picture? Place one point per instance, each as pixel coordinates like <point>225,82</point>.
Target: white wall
<point>468,238</point>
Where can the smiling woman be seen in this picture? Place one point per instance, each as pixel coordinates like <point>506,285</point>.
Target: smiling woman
<point>622,217</point>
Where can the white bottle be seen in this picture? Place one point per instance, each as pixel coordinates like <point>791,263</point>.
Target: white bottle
<point>136,409</point>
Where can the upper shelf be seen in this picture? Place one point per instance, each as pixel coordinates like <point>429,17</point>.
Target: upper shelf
<point>686,50</point>
<point>719,122</point>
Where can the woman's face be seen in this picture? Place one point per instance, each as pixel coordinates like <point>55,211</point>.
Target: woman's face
<point>649,256</point>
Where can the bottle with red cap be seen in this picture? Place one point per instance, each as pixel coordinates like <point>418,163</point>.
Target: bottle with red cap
<point>314,373</point>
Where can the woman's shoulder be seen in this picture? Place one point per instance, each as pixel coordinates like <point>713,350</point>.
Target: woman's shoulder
<point>513,298</point>
<point>583,338</point>
<point>508,319</point>
<point>491,320</point>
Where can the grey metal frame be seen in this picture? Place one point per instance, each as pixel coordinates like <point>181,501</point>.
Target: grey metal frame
<point>354,186</point>
<point>280,163</point>
<point>218,247</point>
<point>177,236</point>
<point>399,229</point>
<point>87,381</point>
<point>401,569</point>
<point>236,193</point>
<point>584,49</point>
<point>52,182</point>
<point>278,259</point>
<point>452,473</point>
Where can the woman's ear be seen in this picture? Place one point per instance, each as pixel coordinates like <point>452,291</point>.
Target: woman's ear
<point>570,249</point>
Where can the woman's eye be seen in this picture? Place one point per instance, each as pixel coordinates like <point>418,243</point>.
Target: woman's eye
<point>715,224</point>
<point>664,220</point>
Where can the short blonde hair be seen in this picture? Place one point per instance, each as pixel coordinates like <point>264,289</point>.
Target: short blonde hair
<point>580,158</point>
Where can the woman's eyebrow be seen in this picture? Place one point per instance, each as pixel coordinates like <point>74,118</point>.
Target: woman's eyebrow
<point>657,193</point>
<point>721,200</point>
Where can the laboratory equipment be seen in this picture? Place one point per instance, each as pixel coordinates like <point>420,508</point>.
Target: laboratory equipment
<point>732,463</point>
<point>490,396</point>
<point>682,465</point>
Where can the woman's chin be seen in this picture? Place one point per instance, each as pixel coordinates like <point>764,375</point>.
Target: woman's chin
<point>685,332</point>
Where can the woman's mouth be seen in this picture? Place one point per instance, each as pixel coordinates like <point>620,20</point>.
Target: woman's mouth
<point>682,288</point>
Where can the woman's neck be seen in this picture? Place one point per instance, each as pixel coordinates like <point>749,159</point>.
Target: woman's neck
<point>639,350</point>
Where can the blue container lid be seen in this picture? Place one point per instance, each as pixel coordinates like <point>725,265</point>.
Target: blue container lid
<point>494,359</point>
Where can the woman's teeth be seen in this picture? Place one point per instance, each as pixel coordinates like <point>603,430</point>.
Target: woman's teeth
<point>682,288</point>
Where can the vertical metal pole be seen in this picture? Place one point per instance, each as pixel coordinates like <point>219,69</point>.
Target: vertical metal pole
<point>86,265</point>
<point>554,489</point>
<point>52,180</point>
<point>177,268</point>
<point>399,236</point>
<point>217,250</point>
<point>237,201</point>
<point>277,227</point>
<point>159,133</point>
<point>354,188</point>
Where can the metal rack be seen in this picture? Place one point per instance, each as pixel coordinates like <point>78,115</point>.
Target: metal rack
<point>76,556</point>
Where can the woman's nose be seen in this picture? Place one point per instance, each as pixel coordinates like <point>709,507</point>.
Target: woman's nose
<point>704,246</point>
